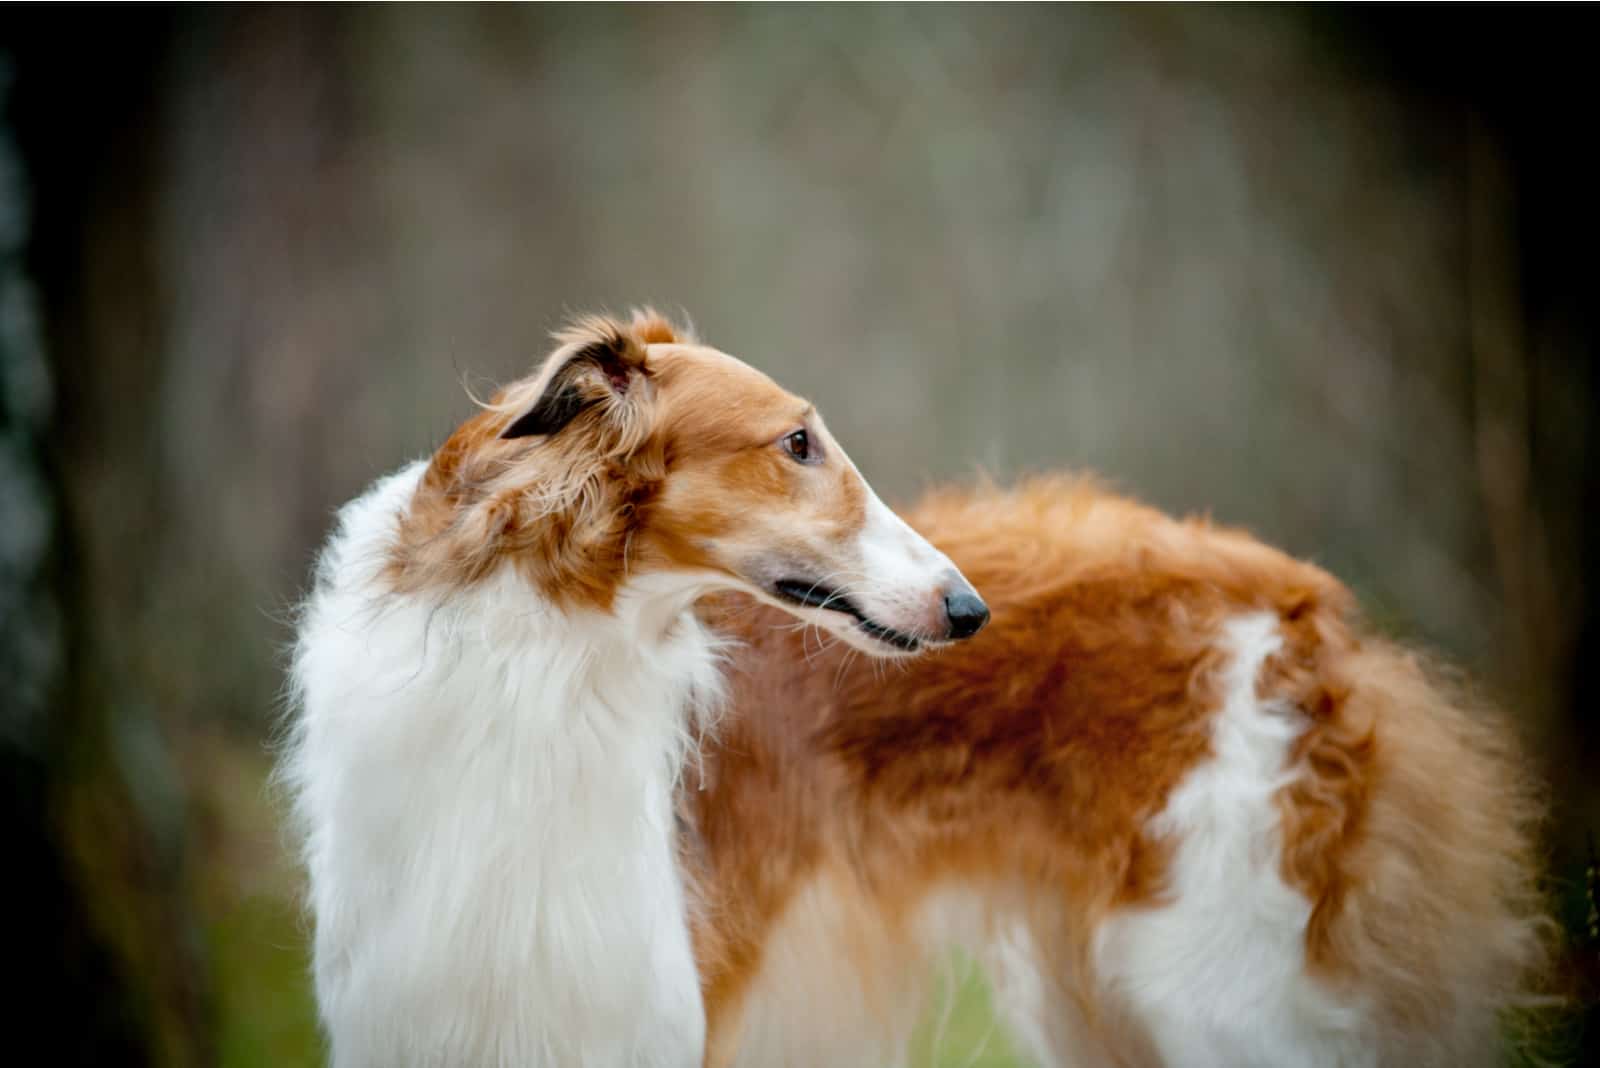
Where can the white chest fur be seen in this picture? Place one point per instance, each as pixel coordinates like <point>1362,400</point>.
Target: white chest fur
<point>485,789</point>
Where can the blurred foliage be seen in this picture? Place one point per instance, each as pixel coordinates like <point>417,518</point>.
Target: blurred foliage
<point>1281,265</point>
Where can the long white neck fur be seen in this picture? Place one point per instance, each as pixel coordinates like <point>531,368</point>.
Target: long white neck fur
<point>484,784</point>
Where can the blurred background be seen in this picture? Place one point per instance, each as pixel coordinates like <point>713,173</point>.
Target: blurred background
<point>1325,275</point>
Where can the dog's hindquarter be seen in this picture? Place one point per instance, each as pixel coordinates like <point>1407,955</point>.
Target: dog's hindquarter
<point>1179,799</point>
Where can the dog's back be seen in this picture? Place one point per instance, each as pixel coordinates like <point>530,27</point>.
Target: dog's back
<point>1175,799</point>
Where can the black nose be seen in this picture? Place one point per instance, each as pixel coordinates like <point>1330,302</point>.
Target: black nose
<point>967,613</point>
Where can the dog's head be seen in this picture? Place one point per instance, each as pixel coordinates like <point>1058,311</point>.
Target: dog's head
<point>635,452</point>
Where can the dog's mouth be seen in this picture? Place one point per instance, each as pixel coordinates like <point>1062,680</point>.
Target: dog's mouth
<point>814,595</point>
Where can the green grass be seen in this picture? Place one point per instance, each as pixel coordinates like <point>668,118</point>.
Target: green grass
<point>959,1029</point>
<point>265,1016</point>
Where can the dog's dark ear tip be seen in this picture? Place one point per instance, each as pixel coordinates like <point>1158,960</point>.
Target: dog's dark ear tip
<point>526,425</point>
<point>558,407</point>
<point>523,426</point>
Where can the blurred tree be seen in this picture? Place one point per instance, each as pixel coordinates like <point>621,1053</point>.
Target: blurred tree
<point>110,971</point>
<point>1517,90</point>
<point>71,970</point>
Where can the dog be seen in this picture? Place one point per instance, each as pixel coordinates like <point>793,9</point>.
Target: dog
<point>1185,808</point>
<point>499,675</point>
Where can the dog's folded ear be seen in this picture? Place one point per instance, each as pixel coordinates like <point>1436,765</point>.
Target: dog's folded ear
<point>600,362</point>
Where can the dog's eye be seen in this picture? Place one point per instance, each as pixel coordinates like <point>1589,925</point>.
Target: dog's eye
<point>798,444</point>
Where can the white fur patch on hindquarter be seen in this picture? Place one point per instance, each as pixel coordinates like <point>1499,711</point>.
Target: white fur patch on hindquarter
<point>1216,973</point>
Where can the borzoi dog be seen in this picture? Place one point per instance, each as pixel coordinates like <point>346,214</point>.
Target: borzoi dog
<point>499,675</point>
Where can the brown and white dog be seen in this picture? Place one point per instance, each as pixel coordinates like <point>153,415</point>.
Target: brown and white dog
<point>1181,804</point>
<point>498,677</point>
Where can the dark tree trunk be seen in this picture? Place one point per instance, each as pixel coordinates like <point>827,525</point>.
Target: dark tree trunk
<point>110,969</point>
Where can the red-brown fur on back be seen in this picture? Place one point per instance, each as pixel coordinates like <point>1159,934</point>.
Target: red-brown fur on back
<point>1027,764</point>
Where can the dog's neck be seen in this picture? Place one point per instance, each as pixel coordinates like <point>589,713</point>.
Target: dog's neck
<point>496,878</point>
<point>641,673</point>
